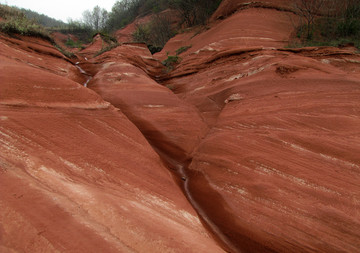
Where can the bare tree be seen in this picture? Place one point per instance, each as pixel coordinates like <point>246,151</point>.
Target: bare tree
<point>155,33</point>
<point>161,30</point>
<point>351,18</point>
<point>195,12</point>
<point>96,19</point>
<point>309,10</point>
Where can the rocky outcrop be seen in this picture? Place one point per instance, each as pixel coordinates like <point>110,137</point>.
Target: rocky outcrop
<point>280,161</point>
<point>98,44</point>
<point>123,78</point>
<point>261,139</point>
<point>125,34</point>
<point>229,7</point>
<point>75,174</point>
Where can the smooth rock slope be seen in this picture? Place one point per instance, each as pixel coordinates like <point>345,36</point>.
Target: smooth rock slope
<point>245,145</point>
<point>280,162</point>
<point>76,175</point>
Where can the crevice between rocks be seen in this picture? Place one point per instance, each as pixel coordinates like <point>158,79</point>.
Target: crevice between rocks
<point>206,201</point>
<point>179,169</point>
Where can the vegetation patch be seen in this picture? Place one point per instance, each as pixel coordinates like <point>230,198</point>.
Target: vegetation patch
<point>154,34</point>
<point>191,12</point>
<point>23,26</point>
<point>42,19</point>
<point>171,62</point>
<point>126,11</point>
<point>182,49</point>
<point>82,32</point>
<point>73,44</point>
<point>170,87</point>
<point>195,12</point>
<point>106,49</point>
<point>328,22</point>
<point>64,52</point>
<point>15,22</point>
<point>7,11</point>
<point>107,37</point>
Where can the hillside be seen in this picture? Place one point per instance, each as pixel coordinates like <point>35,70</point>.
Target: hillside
<point>227,140</point>
<point>43,19</point>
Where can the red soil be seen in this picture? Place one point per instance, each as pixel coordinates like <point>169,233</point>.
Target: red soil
<point>125,34</point>
<point>97,45</point>
<point>60,39</point>
<point>263,140</point>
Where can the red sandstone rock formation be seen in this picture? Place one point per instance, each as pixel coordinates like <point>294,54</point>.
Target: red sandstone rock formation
<point>96,46</point>
<point>125,34</point>
<point>61,39</point>
<point>262,140</point>
<point>75,174</point>
<point>282,153</point>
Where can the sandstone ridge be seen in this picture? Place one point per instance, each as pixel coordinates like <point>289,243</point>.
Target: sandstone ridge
<point>244,145</point>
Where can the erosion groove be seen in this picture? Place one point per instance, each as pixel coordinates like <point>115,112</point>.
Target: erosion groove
<point>243,146</point>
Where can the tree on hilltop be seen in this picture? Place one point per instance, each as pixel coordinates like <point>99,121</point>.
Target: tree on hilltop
<point>96,18</point>
<point>309,9</point>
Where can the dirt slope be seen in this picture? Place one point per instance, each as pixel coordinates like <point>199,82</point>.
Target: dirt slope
<point>125,34</point>
<point>262,140</point>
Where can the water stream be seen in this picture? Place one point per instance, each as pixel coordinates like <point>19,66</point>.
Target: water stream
<point>84,73</point>
<point>182,177</point>
<point>180,170</point>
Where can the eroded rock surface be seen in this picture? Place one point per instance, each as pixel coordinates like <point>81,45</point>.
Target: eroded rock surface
<point>123,78</point>
<point>263,141</point>
<point>282,153</point>
<point>76,175</point>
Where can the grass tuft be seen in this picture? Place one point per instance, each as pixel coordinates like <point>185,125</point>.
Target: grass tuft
<point>182,49</point>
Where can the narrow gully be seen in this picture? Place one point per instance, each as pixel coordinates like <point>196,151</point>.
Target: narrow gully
<point>211,208</point>
<point>180,172</point>
<point>84,73</point>
<point>179,167</point>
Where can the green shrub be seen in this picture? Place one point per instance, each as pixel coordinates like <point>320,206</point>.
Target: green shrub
<point>142,33</point>
<point>82,32</point>
<point>15,22</point>
<point>23,26</point>
<point>182,49</point>
<point>195,12</point>
<point>348,28</point>
<point>339,23</point>
<point>106,49</point>
<point>154,49</point>
<point>107,37</point>
<point>170,87</point>
<point>7,12</point>
<point>171,62</point>
<point>63,51</point>
<point>74,44</point>
<point>126,11</point>
<point>154,34</point>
